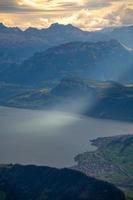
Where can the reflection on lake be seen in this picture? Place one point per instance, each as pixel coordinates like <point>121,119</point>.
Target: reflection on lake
<point>50,137</point>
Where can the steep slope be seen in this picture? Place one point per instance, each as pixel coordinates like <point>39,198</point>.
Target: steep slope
<point>115,102</point>
<point>41,183</point>
<point>95,60</point>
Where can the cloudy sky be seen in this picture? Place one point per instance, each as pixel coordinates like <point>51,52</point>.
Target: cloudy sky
<point>85,14</point>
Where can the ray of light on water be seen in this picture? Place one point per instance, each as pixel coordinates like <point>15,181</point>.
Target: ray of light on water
<point>50,137</point>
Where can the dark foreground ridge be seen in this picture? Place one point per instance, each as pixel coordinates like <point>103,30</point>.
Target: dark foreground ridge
<point>44,183</point>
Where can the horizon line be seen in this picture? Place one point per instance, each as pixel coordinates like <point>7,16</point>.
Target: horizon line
<point>61,24</point>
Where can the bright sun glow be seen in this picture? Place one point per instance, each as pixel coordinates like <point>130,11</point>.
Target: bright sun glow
<point>44,4</point>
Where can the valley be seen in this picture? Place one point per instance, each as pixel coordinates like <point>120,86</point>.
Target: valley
<point>66,100</point>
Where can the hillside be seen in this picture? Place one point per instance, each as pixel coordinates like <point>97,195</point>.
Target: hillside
<point>115,102</point>
<point>112,161</point>
<point>44,183</point>
<point>108,100</point>
<point>9,91</point>
<point>107,60</point>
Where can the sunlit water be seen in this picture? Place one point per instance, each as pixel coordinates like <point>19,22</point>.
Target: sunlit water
<point>49,137</point>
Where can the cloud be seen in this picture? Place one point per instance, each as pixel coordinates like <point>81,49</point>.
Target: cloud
<point>86,14</point>
<point>44,5</point>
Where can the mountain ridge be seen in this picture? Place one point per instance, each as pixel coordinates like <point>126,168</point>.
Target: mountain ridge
<point>33,40</point>
<point>90,98</point>
<point>41,183</point>
<point>103,60</point>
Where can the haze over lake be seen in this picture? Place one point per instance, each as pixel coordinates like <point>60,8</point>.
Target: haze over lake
<point>50,137</point>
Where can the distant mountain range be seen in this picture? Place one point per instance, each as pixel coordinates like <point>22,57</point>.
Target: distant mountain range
<point>22,44</point>
<point>105,60</point>
<point>65,50</point>
<point>17,45</point>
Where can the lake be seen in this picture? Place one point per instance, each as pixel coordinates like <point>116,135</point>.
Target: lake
<point>50,137</point>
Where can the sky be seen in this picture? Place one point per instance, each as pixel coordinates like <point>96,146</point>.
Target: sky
<point>85,14</point>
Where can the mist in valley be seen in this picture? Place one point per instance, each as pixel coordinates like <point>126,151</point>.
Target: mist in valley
<point>50,138</point>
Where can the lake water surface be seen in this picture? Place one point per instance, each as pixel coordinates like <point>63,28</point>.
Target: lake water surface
<point>50,137</point>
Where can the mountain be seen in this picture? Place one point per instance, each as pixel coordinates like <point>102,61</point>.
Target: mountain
<point>98,99</point>
<point>73,87</point>
<point>107,100</point>
<point>94,60</point>
<point>35,99</point>
<point>62,95</point>
<point>17,45</point>
<point>116,103</point>
<point>111,161</point>
<point>40,183</point>
<point>53,34</point>
<point>123,34</point>
<point>20,44</point>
